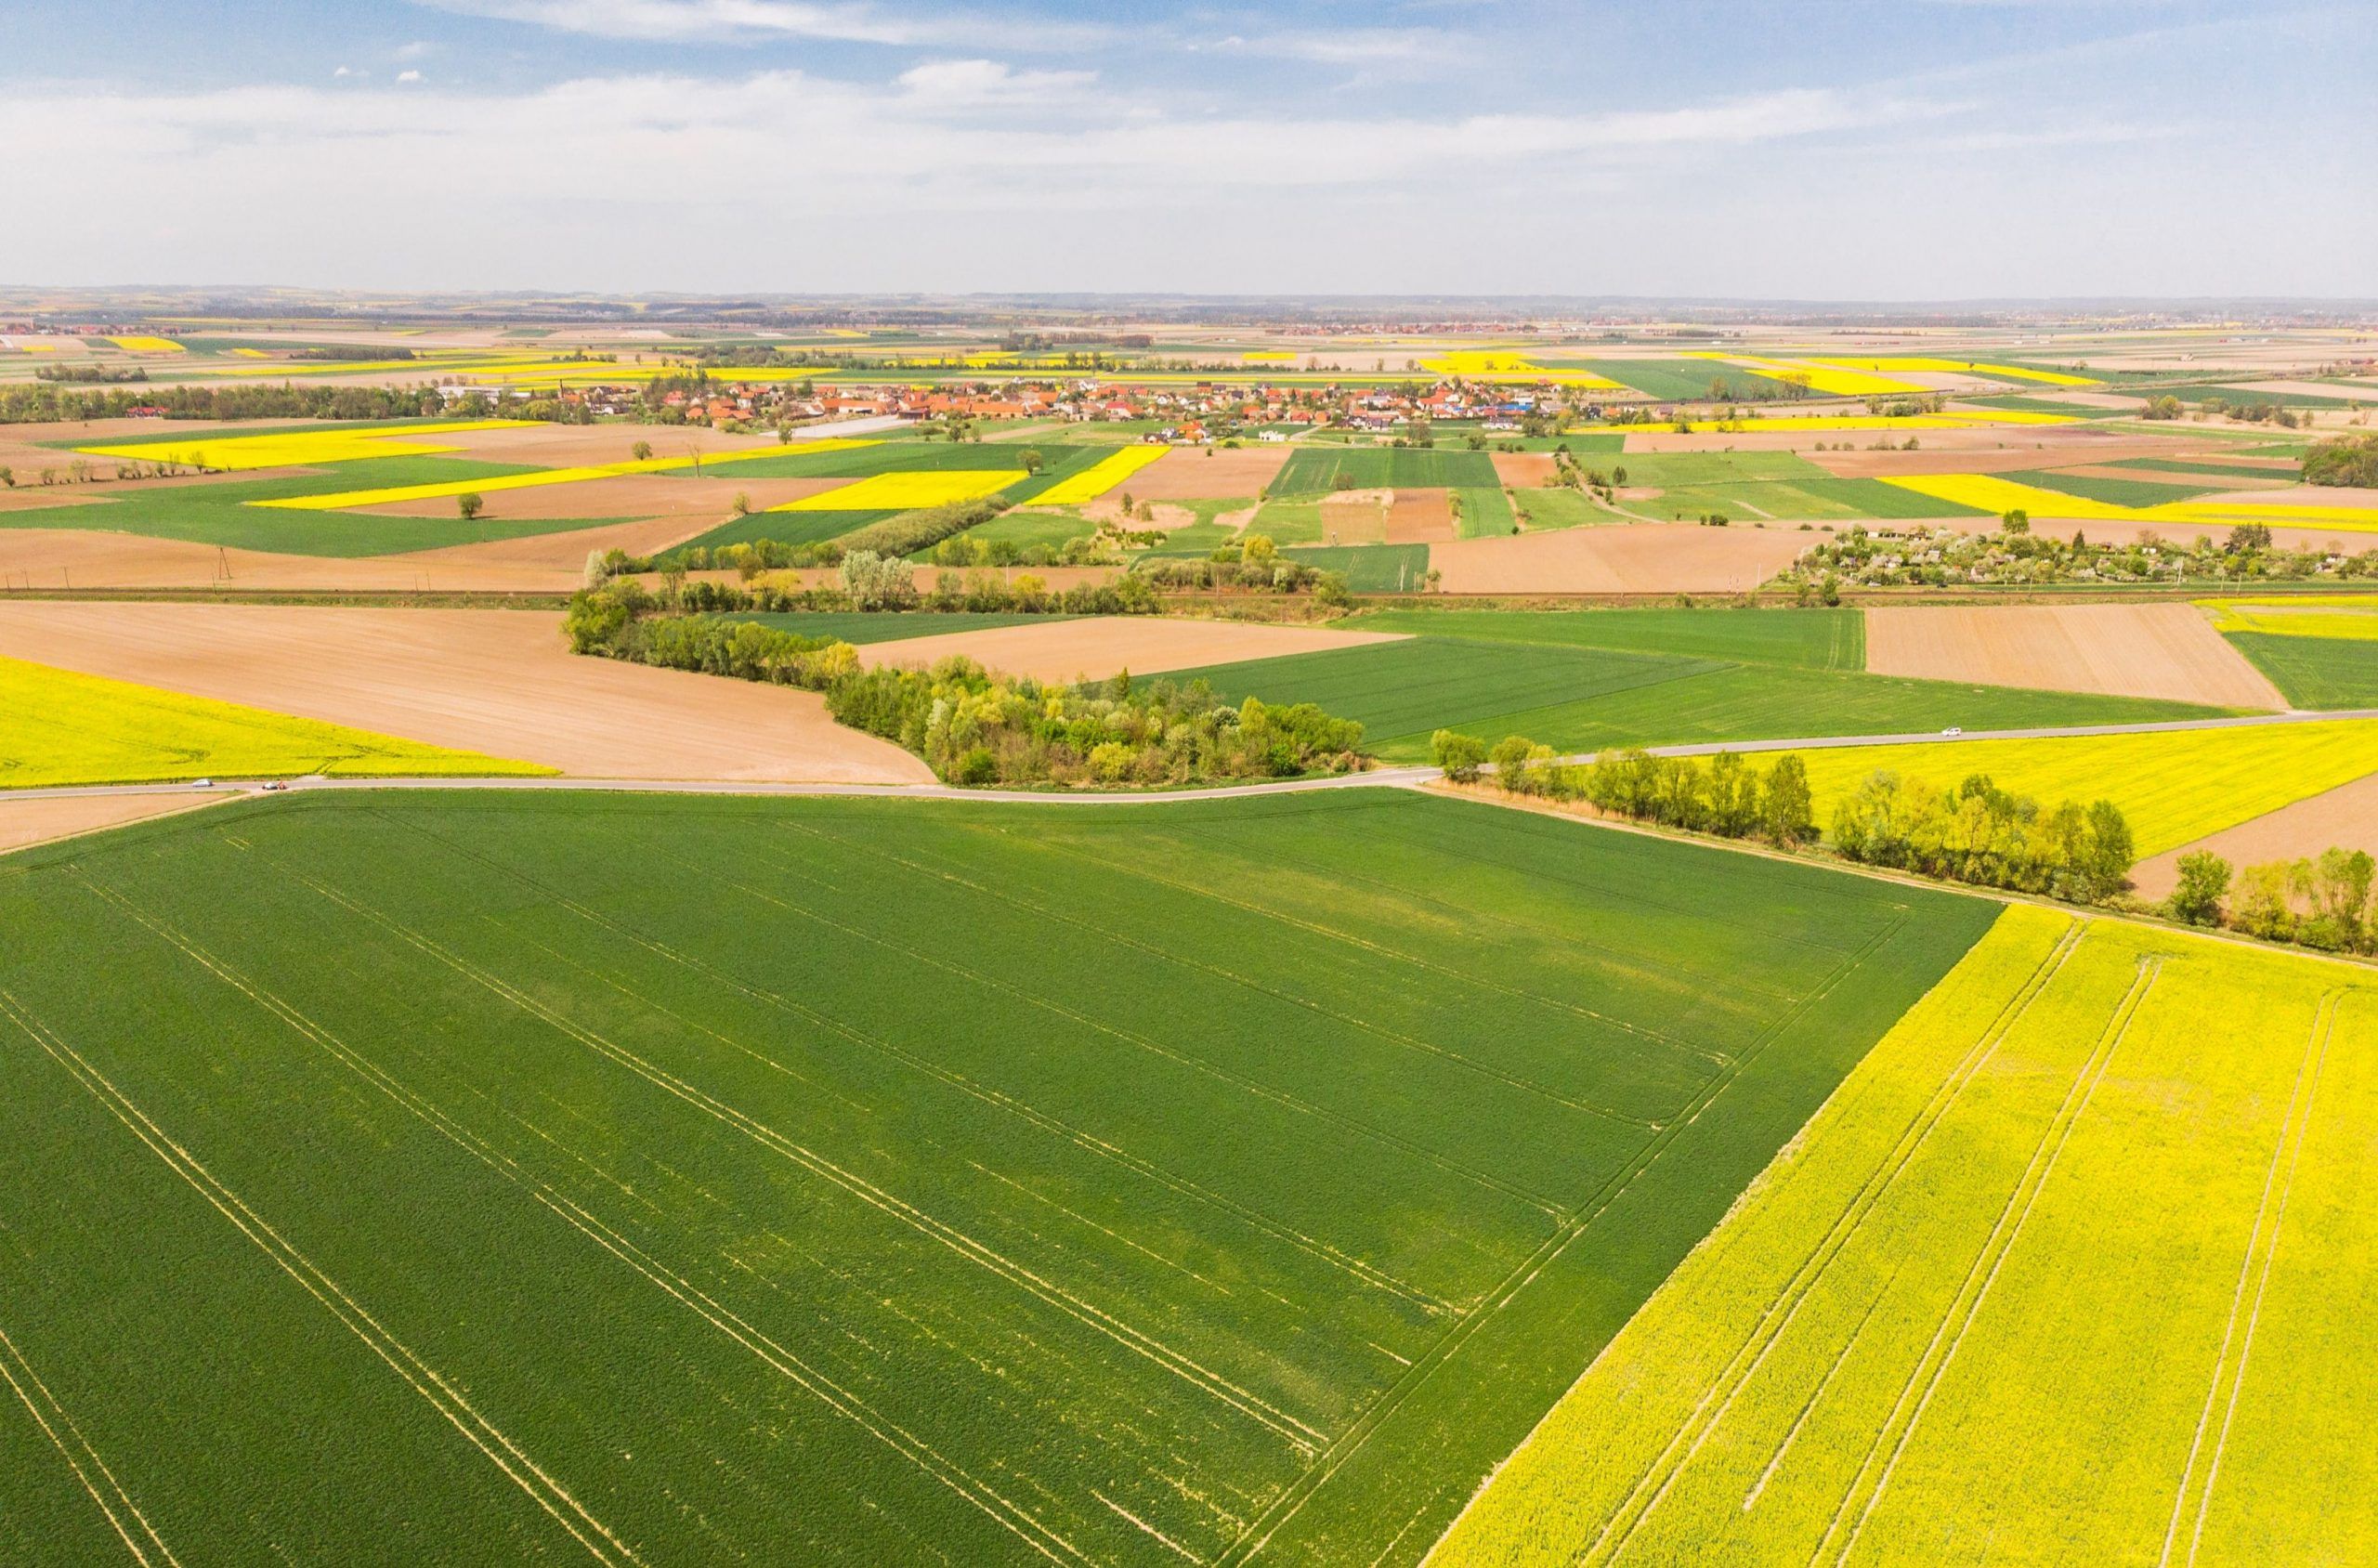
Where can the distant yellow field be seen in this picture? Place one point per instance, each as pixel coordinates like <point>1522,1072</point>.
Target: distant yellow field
<point>901,492</point>
<point>138,344</point>
<point>345,501</point>
<point>1498,364</point>
<point>2350,621</point>
<point>1100,477</point>
<point>1964,367</point>
<point>1991,493</point>
<point>297,448</point>
<point>2175,786</point>
<point>1819,375</point>
<point>66,729</point>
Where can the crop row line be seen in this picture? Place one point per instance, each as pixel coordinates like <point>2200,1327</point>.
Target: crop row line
<point>58,1424</point>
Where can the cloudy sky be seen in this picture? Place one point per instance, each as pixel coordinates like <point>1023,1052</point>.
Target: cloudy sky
<point>1758,149</point>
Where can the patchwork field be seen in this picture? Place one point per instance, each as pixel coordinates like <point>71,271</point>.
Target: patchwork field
<point>2322,652</point>
<point>2174,785</point>
<point>1314,470</point>
<point>889,1181</point>
<point>70,728</point>
<point>2345,817</point>
<point>2061,1273</point>
<point>1586,698</point>
<point>2166,650</point>
<point>499,682</point>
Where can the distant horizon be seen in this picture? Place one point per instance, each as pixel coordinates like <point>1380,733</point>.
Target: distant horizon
<point>1923,151</point>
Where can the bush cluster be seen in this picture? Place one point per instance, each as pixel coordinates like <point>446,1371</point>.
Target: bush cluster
<point>1724,795</point>
<point>2324,902</point>
<point>1941,556</point>
<point>2343,459</point>
<point>972,727</point>
<point>1977,832</point>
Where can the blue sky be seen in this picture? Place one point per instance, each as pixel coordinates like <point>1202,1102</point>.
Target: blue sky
<point>1823,149</point>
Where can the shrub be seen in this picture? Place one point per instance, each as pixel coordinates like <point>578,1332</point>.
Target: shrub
<point>1458,755</point>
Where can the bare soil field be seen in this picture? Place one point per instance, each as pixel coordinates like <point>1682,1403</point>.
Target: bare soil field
<point>79,559</point>
<point>26,823</point>
<point>631,495</point>
<point>2166,650</point>
<point>1100,646</point>
<point>2309,389</point>
<point>1525,470</point>
<point>2344,817</point>
<point>495,681</point>
<point>1646,558</point>
<point>558,553</point>
<point>1188,474</point>
<point>2309,495</point>
<point>1419,516</point>
<point>1355,517</point>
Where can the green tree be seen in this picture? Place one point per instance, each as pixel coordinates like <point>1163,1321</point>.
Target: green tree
<point>1458,754</point>
<point>1509,757</point>
<point>2204,881</point>
<point>1031,460</point>
<point>2015,520</point>
<point>469,504</point>
<point>641,452</point>
<point>1787,808</point>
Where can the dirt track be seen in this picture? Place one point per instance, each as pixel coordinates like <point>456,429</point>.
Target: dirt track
<point>1095,648</point>
<point>495,681</point>
<point>1647,559</point>
<point>2345,817</point>
<point>2166,650</point>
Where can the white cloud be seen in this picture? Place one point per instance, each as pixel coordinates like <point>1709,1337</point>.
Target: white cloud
<point>342,70</point>
<point>743,22</point>
<point>408,75</point>
<point>973,82</point>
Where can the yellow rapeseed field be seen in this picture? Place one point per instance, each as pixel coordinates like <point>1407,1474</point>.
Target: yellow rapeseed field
<point>1965,367</point>
<point>1500,364</point>
<point>2066,1271</point>
<point>901,492</point>
<point>139,345</point>
<point>64,727</point>
<point>2314,620</point>
<point>2174,785</point>
<point>1991,493</point>
<point>1100,477</point>
<point>294,448</point>
<point>346,501</point>
<point>1819,375</point>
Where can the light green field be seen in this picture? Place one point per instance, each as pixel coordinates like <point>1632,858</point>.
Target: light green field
<point>2069,1271</point>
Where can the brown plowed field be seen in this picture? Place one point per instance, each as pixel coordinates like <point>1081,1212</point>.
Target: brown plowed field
<point>1188,474</point>
<point>2345,817</point>
<point>1419,516</point>
<point>1523,470</point>
<point>578,446</point>
<point>1645,558</point>
<point>499,682</point>
<point>1097,647</point>
<point>25,823</point>
<point>2166,650</point>
<point>80,558</point>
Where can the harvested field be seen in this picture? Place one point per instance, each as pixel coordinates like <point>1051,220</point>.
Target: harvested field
<point>873,1181</point>
<point>1651,559</point>
<point>1097,647</point>
<point>1355,517</point>
<point>629,495</point>
<point>1418,516</point>
<point>2166,650</point>
<point>27,822</point>
<point>1525,470</point>
<point>1190,473</point>
<point>499,682</point>
<point>2345,817</point>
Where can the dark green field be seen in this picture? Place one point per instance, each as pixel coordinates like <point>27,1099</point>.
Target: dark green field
<point>1580,699</point>
<point>1318,470</point>
<point>2275,477</point>
<point>441,1177</point>
<point>2315,672</point>
<point>2116,492</point>
<point>1675,381</point>
<point>1814,639</point>
<point>214,512</point>
<point>1369,569</point>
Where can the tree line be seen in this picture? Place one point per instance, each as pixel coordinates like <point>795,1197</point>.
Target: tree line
<point>2323,901</point>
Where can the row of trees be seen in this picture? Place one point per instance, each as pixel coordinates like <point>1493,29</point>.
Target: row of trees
<point>874,583</point>
<point>2323,901</point>
<point>1975,832</point>
<point>43,402</point>
<point>972,727</point>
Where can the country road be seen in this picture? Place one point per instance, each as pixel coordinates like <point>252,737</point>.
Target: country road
<point>1384,777</point>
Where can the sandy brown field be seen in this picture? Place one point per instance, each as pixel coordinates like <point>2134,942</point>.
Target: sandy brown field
<point>1097,647</point>
<point>1419,516</point>
<point>79,559</point>
<point>1188,474</point>
<point>2345,817</point>
<point>2309,389</point>
<point>25,823</point>
<point>632,495</point>
<point>1525,470</point>
<point>499,682</point>
<point>2166,650</point>
<point>1355,517</point>
<point>1631,558</point>
<point>573,446</point>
